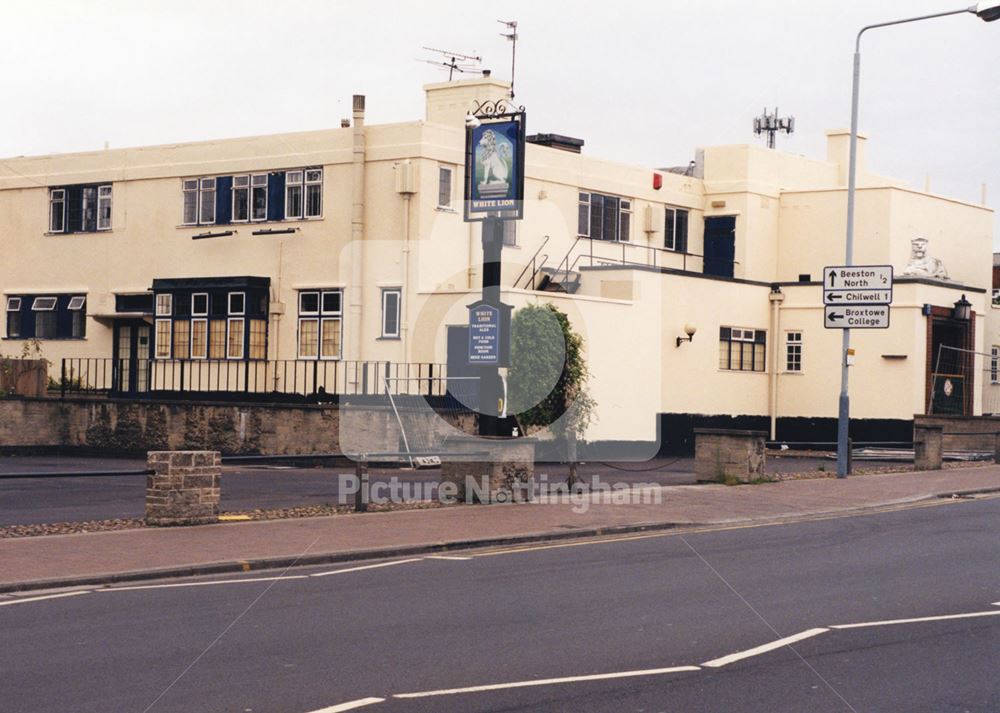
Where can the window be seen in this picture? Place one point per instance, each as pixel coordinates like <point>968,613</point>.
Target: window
<point>104,208</point>
<point>390,312</point>
<point>13,317</point>
<point>241,199</point>
<point>199,201</point>
<point>996,297</point>
<point>57,210</point>
<point>44,304</point>
<point>237,303</point>
<point>234,339</point>
<point>602,217</point>
<point>217,339</point>
<point>199,304</point>
<point>182,338</point>
<point>164,329</point>
<point>258,197</point>
<point>444,187</point>
<point>164,305</point>
<point>675,230</point>
<point>78,317</point>
<point>793,351</point>
<point>994,364</point>
<point>742,349</point>
<point>304,193</point>
<point>320,324</point>
<point>80,209</point>
<point>199,338</point>
<point>258,339</point>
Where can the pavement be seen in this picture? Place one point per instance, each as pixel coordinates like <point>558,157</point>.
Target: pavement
<point>147,553</point>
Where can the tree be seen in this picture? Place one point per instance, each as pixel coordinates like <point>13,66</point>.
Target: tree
<point>547,380</point>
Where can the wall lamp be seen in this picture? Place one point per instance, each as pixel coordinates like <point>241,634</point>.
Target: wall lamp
<point>689,330</point>
<point>962,310</point>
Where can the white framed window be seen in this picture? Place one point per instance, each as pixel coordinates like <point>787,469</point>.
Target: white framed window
<point>742,349</point>
<point>304,193</point>
<point>234,338</point>
<point>237,303</point>
<point>308,303</point>
<point>43,304</point>
<point>104,208</point>
<point>199,201</point>
<point>793,351</point>
<point>241,199</point>
<point>258,197</point>
<point>199,338</point>
<point>164,305</point>
<point>675,230</point>
<point>603,217</point>
<point>13,317</point>
<point>57,210</point>
<point>320,326</point>
<point>164,332</point>
<point>391,301</point>
<point>199,304</point>
<point>995,364</point>
<point>76,302</point>
<point>13,304</point>
<point>445,174</point>
<point>996,297</point>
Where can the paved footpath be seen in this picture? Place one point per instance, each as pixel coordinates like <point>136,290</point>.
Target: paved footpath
<point>102,557</point>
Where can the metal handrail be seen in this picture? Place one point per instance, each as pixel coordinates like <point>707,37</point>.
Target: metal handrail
<point>532,263</point>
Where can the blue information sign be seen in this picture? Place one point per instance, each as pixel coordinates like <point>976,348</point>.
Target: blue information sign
<point>484,335</point>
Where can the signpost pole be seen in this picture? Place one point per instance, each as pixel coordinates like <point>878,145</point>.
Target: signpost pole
<point>490,384</point>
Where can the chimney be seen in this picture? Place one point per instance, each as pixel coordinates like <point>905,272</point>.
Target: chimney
<point>838,151</point>
<point>448,102</point>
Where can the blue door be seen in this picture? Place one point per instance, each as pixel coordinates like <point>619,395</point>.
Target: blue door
<point>720,245</point>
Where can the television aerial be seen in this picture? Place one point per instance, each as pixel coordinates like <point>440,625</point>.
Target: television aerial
<point>453,61</point>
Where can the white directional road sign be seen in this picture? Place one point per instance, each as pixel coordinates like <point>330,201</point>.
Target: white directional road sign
<point>857,284</point>
<point>856,317</point>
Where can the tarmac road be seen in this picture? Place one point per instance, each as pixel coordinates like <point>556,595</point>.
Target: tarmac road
<point>657,622</point>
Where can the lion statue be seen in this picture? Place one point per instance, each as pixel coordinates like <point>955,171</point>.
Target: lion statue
<point>921,264</point>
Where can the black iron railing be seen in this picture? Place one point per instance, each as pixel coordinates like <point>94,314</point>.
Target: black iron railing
<point>288,377</point>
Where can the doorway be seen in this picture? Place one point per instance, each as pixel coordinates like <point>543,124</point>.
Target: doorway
<point>130,357</point>
<point>720,245</point>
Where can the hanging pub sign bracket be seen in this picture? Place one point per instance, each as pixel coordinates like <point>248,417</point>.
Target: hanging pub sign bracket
<point>494,161</point>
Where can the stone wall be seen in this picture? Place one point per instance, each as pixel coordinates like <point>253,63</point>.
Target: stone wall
<point>728,456</point>
<point>963,433</point>
<point>184,488</point>
<point>271,429</point>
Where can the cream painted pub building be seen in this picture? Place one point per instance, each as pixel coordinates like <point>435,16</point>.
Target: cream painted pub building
<point>286,263</point>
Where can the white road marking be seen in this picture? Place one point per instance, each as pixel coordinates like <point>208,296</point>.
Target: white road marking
<point>764,648</point>
<point>25,600</point>
<point>367,566</point>
<point>350,705</point>
<point>547,682</point>
<point>996,604</point>
<point>446,557</point>
<point>918,620</point>
<point>201,584</point>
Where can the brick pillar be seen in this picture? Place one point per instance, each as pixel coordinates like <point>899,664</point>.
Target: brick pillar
<point>728,456</point>
<point>996,449</point>
<point>184,488</point>
<point>927,447</point>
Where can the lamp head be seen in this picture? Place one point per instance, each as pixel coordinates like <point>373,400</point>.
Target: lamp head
<point>987,10</point>
<point>690,329</point>
<point>472,122</point>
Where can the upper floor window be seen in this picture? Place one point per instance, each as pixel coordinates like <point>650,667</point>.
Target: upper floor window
<point>995,364</point>
<point>602,217</point>
<point>249,198</point>
<point>47,317</point>
<point>444,186</point>
<point>80,209</point>
<point>675,230</point>
<point>742,349</point>
<point>199,201</point>
<point>304,193</point>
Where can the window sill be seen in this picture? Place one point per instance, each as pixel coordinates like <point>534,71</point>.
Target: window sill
<point>792,373</point>
<point>65,234</point>
<point>740,371</point>
<point>445,209</point>
<point>45,339</point>
<point>388,339</point>
<point>238,224</point>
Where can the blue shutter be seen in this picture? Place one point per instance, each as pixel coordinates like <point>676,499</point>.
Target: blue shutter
<point>223,200</point>
<point>276,196</point>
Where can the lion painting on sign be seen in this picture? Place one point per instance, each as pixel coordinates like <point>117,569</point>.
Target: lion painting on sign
<point>494,160</point>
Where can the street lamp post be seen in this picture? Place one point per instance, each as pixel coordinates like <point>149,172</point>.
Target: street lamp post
<point>988,10</point>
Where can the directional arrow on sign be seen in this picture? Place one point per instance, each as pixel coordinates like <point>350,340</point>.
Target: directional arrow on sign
<point>833,276</point>
<point>833,316</point>
<point>834,296</point>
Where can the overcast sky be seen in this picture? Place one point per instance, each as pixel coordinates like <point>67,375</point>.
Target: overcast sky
<point>641,82</point>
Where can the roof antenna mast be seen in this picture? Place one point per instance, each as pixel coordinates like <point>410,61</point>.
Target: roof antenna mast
<point>771,124</point>
<point>512,36</point>
<point>453,61</point>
